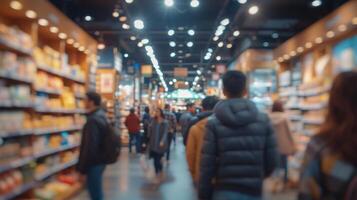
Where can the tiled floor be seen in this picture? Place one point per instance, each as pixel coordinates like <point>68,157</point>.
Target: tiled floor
<point>126,180</point>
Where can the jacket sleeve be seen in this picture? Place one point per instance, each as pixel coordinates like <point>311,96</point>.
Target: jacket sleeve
<point>191,151</point>
<point>166,132</point>
<point>271,156</point>
<point>208,163</point>
<point>89,145</point>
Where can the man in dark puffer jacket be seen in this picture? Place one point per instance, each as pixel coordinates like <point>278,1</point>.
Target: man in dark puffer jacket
<point>239,148</point>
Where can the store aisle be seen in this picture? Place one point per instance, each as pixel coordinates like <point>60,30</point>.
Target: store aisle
<point>126,180</point>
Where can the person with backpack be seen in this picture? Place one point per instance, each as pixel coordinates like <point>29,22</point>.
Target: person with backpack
<point>91,162</point>
<point>329,170</point>
<point>239,148</point>
<point>158,141</point>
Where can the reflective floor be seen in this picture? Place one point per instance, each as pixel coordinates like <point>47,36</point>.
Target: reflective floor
<point>128,181</point>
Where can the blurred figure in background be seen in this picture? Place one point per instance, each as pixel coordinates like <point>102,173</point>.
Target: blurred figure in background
<point>239,148</point>
<point>196,134</point>
<point>146,120</point>
<point>171,118</point>
<point>132,123</point>
<point>158,142</point>
<point>185,120</point>
<point>329,170</point>
<point>285,140</point>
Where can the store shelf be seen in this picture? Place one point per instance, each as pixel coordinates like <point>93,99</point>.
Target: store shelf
<point>15,164</point>
<point>74,190</point>
<point>15,77</point>
<point>12,104</point>
<point>314,92</point>
<point>59,111</point>
<point>316,106</point>
<point>80,96</point>
<point>15,133</point>
<point>316,121</point>
<point>6,45</point>
<point>56,130</point>
<point>55,170</point>
<point>53,151</point>
<point>295,117</point>
<point>49,91</point>
<point>59,73</point>
<point>20,190</point>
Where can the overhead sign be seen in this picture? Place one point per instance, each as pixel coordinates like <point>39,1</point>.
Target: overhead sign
<point>180,72</point>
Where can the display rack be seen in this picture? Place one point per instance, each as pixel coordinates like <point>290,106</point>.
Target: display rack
<point>44,70</point>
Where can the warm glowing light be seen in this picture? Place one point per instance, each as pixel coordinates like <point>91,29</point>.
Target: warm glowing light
<point>62,35</point>
<point>43,22</point>
<point>70,41</point>
<point>53,29</point>
<point>16,5</point>
<point>31,14</point>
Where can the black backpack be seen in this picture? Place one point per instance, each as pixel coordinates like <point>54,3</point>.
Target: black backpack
<point>111,145</point>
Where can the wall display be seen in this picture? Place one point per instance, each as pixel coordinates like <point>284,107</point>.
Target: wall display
<point>344,55</point>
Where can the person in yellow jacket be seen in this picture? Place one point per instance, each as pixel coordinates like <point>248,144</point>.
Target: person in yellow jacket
<point>196,135</point>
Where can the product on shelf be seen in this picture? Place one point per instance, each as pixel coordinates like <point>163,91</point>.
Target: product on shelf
<point>15,36</point>
<point>68,99</point>
<point>56,141</point>
<point>47,81</point>
<point>9,181</point>
<point>14,121</point>
<point>78,89</point>
<point>12,65</point>
<point>14,150</point>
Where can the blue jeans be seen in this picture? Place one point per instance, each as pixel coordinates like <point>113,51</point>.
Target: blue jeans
<point>228,195</point>
<point>95,182</point>
<point>137,138</point>
<point>157,161</point>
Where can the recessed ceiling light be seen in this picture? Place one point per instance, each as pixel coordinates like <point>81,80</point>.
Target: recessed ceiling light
<point>53,29</point>
<point>81,48</point>
<point>171,32</point>
<point>145,41</point>
<point>229,45</point>
<point>286,57</point>
<point>125,26</point>
<point>300,49</point>
<point>70,41</point>
<point>280,59</point>
<point>16,5</point>
<point>330,34</point>
<point>308,45</point>
<point>101,46</point>
<point>225,22</point>
<point>132,38</point>
<point>180,51</point>
<point>215,38</point>
<point>43,22</point>
<point>62,35</point>
<point>275,35</point>
<point>172,44</point>
<point>195,3</point>
<point>31,14</point>
<point>319,40</point>
<point>189,44</point>
<point>210,50</point>
<point>293,53</point>
<point>242,1</point>
<point>115,13</point>
<point>218,58</point>
<point>342,28</point>
<point>129,1</point>
<point>76,45</point>
<point>86,51</point>
<point>140,44</point>
<point>253,10</point>
<point>169,3</point>
<point>236,33</point>
<point>316,3</point>
<point>171,83</point>
<point>173,54</point>
<point>191,32</point>
<point>220,44</point>
<point>126,55</point>
<point>265,44</point>
<point>174,80</point>
<point>207,57</point>
<point>88,18</point>
<point>122,18</point>
<point>139,24</point>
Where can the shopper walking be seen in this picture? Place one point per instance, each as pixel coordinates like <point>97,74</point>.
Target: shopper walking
<point>329,170</point>
<point>158,142</point>
<point>91,163</point>
<point>146,120</point>
<point>196,134</point>
<point>171,118</point>
<point>239,147</point>
<point>185,120</point>
<point>285,140</point>
<point>132,122</point>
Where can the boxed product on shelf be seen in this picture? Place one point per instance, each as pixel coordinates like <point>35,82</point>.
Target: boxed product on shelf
<point>14,35</point>
<point>14,150</point>
<point>78,89</point>
<point>12,65</point>
<point>46,81</point>
<point>49,121</point>
<point>67,98</point>
<point>47,57</point>
<point>14,121</point>
<point>54,141</point>
<point>10,181</point>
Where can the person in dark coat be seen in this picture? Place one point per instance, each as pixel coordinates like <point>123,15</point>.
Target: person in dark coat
<point>90,161</point>
<point>239,148</point>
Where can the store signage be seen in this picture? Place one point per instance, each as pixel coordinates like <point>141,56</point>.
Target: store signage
<point>180,72</point>
<point>106,83</point>
<point>146,70</point>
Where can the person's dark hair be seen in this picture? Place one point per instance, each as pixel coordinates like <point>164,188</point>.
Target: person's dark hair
<point>209,102</point>
<point>132,110</point>
<point>94,97</point>
<point>234,83</point>
<point>147,109</point>
<point>167,106</point>
<point>277,106</point>
<point>340,127</point>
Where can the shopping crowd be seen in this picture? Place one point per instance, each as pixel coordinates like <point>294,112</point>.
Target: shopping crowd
<point>231,146</point>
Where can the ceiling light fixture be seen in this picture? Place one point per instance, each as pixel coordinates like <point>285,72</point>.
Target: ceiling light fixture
<point>81,48</point>
<point>300,49</point>
<point>280,59</point>
<point>140,44</point>
<point>319,40</point>
<point>115,13</point>
<point>242,1</point>
<point>253,10</point>
<point>139,24</point>
<point>132,38</point>
<point>169,3</point>
<point>191,32</point>
<point>126,55</point>
<point>76,45</point>
<point>195,3</point>
<point>53,29</point>
<point>171,83</point>
<point>220,44</point>
<point>172,44</point>
<point>229,46</point>
<point>210,50</point>
<point>62,36</point>
<point>101,46</point>
<point>308,45</point>
<point>275,35</point>
<point>88,18</point>
<point>286,57</point>
<point>330,34</point>
<point>173,54</point>
<point>174,80</point>
<point>16,5</point>
<point>218,58</point>
<point>125,26</point>
<point>215,38</point>
<point>129,1</point>
<point>189,44</point>
<point>70,41</point>
<point>236,33</point>
<point>31,14</point>
<point>316,3</point>
<point>171,32</point>
<point>122,18</point>
<point>265,44</point>
<point>225,22</point>
<point>145,41</point>
<point>342,28</point>
<point>43,22</point>
<point>293,53</point>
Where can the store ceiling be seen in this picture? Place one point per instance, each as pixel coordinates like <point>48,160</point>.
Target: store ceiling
<point>276,21</point>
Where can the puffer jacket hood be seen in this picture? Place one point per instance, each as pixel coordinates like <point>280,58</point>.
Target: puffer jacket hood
<point>236,112</point>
